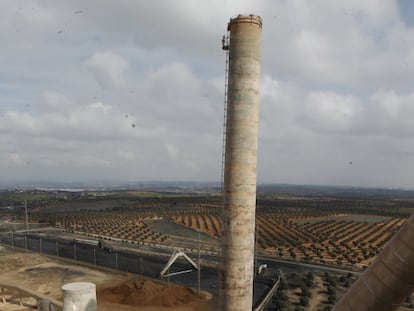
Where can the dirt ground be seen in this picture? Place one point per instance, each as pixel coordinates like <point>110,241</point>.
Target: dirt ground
<point>150,295</point>
<point>115,291</point>
<point>317,295</point>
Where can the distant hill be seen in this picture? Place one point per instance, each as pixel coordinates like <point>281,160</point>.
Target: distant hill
<point>194,187</point>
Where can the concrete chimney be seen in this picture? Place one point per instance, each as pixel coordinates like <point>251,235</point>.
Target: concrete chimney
<point>239,188</point>
<point>388,280</point>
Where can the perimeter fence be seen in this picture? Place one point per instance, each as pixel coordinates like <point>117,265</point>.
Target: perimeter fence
<point>119,260</point>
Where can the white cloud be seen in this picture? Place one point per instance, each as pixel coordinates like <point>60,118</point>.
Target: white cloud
<point>329,111</point>
<point>55,102</point>
<point>390,114</point>
<point>101,107</point>
<point>109,69</point>
<point>14,158</point>
<point>126,155</point>
<point>172,151</point>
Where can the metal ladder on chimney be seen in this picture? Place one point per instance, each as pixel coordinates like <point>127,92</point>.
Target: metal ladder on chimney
<point>225,47</point>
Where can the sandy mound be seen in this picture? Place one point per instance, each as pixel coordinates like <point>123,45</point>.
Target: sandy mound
<point>149,293</point>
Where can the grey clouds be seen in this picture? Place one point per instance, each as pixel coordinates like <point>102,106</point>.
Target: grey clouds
<point>133,91</point>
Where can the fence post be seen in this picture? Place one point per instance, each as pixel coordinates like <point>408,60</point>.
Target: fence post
<point>20,299</point>
<point>198,265</point>
<point>44,305</point>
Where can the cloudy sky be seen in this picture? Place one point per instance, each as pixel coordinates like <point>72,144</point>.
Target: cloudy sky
<point>132,90</point>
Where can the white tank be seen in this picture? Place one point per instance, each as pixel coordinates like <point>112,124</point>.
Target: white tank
<point>79,296</point>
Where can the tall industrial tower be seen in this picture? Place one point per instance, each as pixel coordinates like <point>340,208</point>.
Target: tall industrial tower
<point>240,160</point>
<point>388,280</point>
